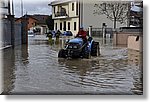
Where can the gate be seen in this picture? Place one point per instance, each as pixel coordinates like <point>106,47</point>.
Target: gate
<point>99,32</point>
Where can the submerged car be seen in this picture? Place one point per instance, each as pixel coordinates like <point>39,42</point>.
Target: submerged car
<point>67,33</point>
<point>77,48</point>
<point>53,33</point>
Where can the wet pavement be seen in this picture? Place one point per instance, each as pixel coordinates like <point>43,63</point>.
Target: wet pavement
<point>36,69</point>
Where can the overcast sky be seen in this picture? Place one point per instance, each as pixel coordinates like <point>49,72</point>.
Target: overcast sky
<point>32,7</point>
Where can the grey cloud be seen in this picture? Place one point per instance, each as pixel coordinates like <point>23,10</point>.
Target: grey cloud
<point>36,7</point>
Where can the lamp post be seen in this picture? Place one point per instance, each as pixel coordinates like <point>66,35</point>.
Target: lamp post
<point>104,32</point>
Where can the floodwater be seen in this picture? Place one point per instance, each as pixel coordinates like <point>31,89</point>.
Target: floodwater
<point>36,69</point>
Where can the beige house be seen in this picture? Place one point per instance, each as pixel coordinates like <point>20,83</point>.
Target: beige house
<point>66,15</point>
<point>72,14</point>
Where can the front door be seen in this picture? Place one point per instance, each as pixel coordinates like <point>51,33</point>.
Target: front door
<point>64,25</point>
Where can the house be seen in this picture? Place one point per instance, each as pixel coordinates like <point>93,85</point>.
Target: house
<point>66,15</point>
<point>36,23</point>
<point>31,21</point>
<point>3,9</point>
<point>136,14</point>
<point>41,24</point>
<point>72,14</point>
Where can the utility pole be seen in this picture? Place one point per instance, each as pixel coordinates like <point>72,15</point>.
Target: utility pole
<point>12,8</point>
<point>12,22</point>
<point>9,13</point>
<point>21,8</point>
<point>24,25</point>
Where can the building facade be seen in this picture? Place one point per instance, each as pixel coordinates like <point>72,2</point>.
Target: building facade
<point>72,14</point>
<point>66,15</point>
<point>136,14</point>
<point>31,21</point>
<point>36,23</point>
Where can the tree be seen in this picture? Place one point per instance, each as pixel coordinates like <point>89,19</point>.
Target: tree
<point>50,23</point>
<point>115,11</point>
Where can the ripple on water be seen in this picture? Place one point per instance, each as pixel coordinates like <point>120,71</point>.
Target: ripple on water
<point>38,69</point>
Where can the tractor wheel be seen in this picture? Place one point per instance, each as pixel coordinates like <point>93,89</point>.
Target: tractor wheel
<point>87,55</point>
<point>62,54</point>
<point>95,49</point>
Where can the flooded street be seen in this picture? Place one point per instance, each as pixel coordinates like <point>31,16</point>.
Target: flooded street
<point>36,69</point>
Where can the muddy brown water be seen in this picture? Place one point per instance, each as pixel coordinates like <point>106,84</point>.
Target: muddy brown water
<point>36,69</point>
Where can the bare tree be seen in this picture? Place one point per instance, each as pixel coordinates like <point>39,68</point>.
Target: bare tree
<point>115,11</point>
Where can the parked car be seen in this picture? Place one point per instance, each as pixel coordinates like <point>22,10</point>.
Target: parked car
<point>31,33</point>
<point>67,33</point>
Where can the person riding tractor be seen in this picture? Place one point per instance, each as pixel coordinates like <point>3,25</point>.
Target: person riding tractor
<point>82,34</point>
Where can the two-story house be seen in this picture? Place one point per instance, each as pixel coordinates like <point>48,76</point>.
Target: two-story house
<point>72,14</point>
<point>66,15</point>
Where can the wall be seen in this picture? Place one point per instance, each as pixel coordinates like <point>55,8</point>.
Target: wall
<point>133,44</point>
<point>121,38</point>
<point>6,33</point>
<point>135,50</point>
<point>89,19</point>
<point>71,20</point>
<point>72,13</point>
<point>31,22</point>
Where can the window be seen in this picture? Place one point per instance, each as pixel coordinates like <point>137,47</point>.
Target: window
<point>77,8</point>
<point>75,28</point>
<point>56,26</point>
<point>54,9</point>
<point>61,26</point>
<point>72,6</point>
<point>68,25</point>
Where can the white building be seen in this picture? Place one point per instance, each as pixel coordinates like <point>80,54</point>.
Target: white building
<point>72,14</point>
<point>3,8</point>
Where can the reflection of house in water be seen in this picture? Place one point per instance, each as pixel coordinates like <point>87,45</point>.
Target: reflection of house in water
<point>10,56</point>
<point>135,50</point>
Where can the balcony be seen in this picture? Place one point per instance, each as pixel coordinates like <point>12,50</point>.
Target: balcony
<point>61,13</point>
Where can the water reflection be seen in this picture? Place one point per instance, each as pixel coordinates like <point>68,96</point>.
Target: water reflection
<point>24,54</point>
<point>76,65</point>
<point>10,57</point>
<point>8,68</point>
<point>134,57</point>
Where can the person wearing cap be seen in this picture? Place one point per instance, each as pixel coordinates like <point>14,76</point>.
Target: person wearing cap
<point>82,34</point>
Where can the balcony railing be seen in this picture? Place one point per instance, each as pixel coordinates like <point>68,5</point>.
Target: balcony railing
<point>59,14</point>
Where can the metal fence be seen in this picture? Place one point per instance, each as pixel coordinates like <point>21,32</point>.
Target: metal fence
<point>6,33</point>
<point>99,32</point>
<point>130,29</point>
